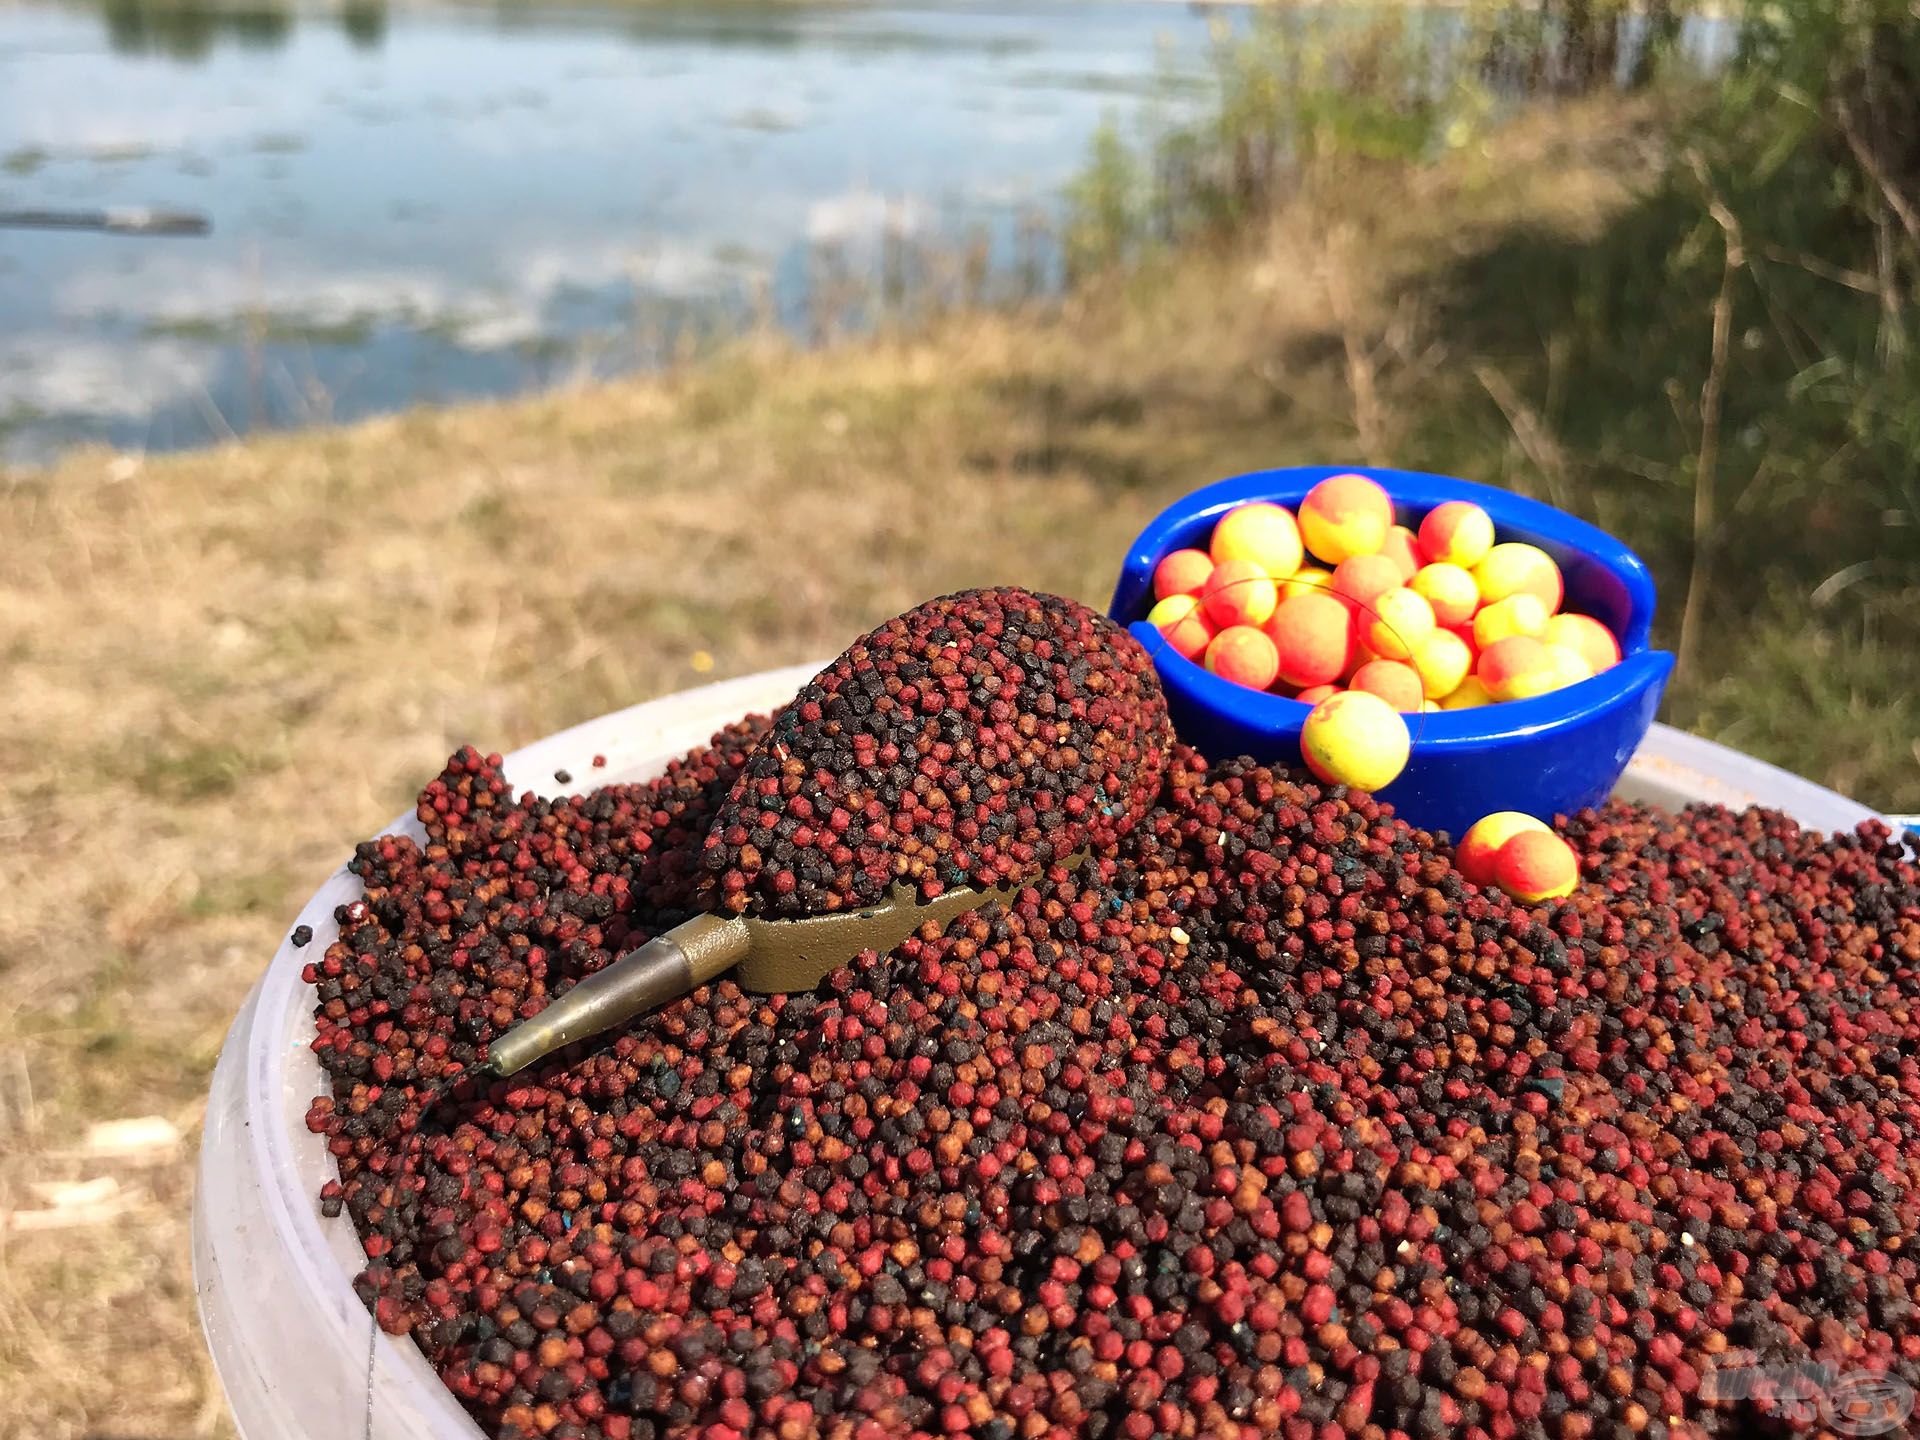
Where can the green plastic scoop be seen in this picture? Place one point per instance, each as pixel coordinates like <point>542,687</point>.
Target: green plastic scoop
<point>1066,708</point>
<point>771,956</point>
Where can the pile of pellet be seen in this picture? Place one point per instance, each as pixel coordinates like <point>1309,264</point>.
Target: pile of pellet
<point>969,741</point>
<point>1262,1121</point>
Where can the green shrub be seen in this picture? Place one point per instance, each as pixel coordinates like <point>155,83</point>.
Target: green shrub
<point>1291,92</point>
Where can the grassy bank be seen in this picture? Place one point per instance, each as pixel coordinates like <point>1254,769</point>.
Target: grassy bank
<point>224,667</point>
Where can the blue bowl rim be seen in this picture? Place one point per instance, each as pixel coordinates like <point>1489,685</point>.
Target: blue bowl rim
<point>1514,517</point>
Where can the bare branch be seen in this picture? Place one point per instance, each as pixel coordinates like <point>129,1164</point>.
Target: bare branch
<point>1530,432</point>
<point>1712,402</point>
<point>1896,200</point>
<point>1814,265</point>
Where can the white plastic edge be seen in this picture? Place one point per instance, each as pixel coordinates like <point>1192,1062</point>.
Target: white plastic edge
<point>297,1354</point>
<point>1672,768</point>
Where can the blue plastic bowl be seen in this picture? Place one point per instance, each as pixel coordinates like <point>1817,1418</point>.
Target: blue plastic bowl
<point>1546,756</point>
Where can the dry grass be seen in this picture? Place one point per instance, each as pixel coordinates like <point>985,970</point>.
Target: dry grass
<point>224,667</point>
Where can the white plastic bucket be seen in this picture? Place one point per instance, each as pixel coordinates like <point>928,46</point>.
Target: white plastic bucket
<point>297,1353</point>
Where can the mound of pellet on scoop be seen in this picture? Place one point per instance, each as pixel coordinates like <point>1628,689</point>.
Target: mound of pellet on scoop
<point>1264,1122</point>
<point>965,742</point>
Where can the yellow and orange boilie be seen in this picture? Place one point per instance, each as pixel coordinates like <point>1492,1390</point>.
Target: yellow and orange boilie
<point>1520,854</point>
<point>1342,591</point>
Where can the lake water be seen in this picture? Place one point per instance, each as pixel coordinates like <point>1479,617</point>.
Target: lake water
<point>417,205</point>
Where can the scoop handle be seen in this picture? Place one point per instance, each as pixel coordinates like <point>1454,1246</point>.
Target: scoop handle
<point>663,969</point>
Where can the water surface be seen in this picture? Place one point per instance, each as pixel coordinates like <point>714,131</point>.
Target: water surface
<point>419,205</point>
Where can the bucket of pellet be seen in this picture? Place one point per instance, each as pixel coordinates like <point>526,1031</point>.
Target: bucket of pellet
<point>292,1342</point>
<point>683,1331</point>
<point>1548,748</point>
